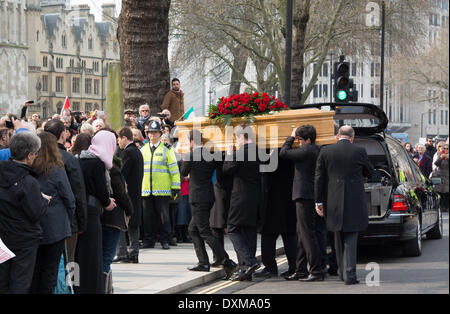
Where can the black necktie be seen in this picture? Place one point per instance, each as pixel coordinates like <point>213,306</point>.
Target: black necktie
<point>153,149</point>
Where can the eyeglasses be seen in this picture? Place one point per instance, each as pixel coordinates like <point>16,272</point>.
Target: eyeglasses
<point>145,110</point>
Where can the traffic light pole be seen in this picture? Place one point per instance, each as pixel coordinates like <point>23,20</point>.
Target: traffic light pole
<point>382,54</point>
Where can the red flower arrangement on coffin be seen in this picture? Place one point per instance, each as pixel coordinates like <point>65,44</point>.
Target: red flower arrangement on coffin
<point>244,105</point>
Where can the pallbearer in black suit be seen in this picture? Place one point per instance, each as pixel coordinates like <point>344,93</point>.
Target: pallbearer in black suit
<point>201,198</point>
<point>339,182</point>
<point>305,157</point>
<point>245,201</point>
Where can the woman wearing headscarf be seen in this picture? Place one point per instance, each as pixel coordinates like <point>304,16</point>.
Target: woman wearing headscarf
<point>95,163</point>
<point>56,223</point>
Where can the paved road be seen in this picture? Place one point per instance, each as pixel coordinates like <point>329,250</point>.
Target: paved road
<point>427,274</point>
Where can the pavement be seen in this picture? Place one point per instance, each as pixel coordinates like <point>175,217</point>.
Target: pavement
<point>165,271</point>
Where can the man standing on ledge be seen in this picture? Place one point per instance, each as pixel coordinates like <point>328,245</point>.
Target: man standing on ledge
<point>339,183</point>
<point>174,101</point>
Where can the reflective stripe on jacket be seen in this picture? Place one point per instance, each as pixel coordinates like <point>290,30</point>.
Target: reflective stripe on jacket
<point>161,173</point>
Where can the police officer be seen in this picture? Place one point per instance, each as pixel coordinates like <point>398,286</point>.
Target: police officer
<point>161,179</point>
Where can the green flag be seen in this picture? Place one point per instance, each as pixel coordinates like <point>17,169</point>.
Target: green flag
<point>188,113</point>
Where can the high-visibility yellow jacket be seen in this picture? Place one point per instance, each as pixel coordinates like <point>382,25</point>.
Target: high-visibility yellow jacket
<point>161,173</point>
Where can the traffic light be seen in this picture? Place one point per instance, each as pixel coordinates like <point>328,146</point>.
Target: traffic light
<point>343,84</point>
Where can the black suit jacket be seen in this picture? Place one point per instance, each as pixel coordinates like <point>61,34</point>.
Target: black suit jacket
<point>133,171</point>
<point>246,193</point>
<point>339,183</point>
<point>200,181</point>
<point>305,158</point>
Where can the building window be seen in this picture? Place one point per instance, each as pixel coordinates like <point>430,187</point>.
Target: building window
<point>325,90</point>
<point>72,63</point>
<point>377,90</point>
<point>325,69</point>
<point>59,63</point>
<point>88,107</point>
<point>315,91</point>
<point>37,36</point>
<point>76,84</point>
<point>90,45</point>
<point>45,83</point>
<point>372,91</point>
<point>361,91</point>
<point>372,69</point>
<point>401,113</point>
<point>63,41</point>
<point>88,86</point>
<point>96,86</point>
<point>446,117</point>
<point>442,117</point>
<point>434,117</point>
<point>44,61</point>
<point>361,67</point>
<point>95,65</point>
<point>76,106</point>
<point>354,69</point>
<point>59,84</point>
<point>429,116</point>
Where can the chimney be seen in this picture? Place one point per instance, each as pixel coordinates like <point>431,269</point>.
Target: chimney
<point>108,12</point>
<point>82,9</point>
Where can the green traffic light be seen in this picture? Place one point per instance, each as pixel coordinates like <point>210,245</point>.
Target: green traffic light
<point>342,95</point>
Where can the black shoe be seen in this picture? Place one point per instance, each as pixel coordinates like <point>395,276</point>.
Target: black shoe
<point>216,264</point>
<point>229,266</point>
<point>173,243</point>
<point>313,277</point>
<point>165,246</point>
<point>351,282</point>
<point>296,276</point>
<point>249,272</point>
<point>265,273</point>
<point>240,275</point>
<point>199,267</point>
<point>287,273</point>
<point>119,259</point>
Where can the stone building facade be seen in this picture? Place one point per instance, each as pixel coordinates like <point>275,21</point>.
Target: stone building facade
<point>50,50</point>
<point>13,55</point>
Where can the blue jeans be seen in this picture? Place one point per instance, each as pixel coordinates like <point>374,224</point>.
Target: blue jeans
<point>111,238</point>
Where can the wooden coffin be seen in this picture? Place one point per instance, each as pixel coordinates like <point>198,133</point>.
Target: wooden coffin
<point>271,130</point>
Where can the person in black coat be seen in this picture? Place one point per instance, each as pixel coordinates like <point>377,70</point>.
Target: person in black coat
<point>277,217</point>
<point>132,171</point>
<point>223,186</point>
<point>245,202</point>
<point>115,221</point>
<point>339,184</point>
<point>56,224</point>
<point>22,205</point>
<point>89,252</point>
<point>201,198</point>
<point>305,157</point>
<point>73,171</point>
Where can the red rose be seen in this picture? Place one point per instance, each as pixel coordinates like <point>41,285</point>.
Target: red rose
<point>249,109</point>
<point>234,111</point>
<point>255,95</point>
<point>227,111</point>
<point>257,101</point>
<point>227,105</point>
<point>235,104</point>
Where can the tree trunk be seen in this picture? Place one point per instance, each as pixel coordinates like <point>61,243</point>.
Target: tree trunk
<point>300,23</point>
<point>143,35</point>
<point>240,64</point>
